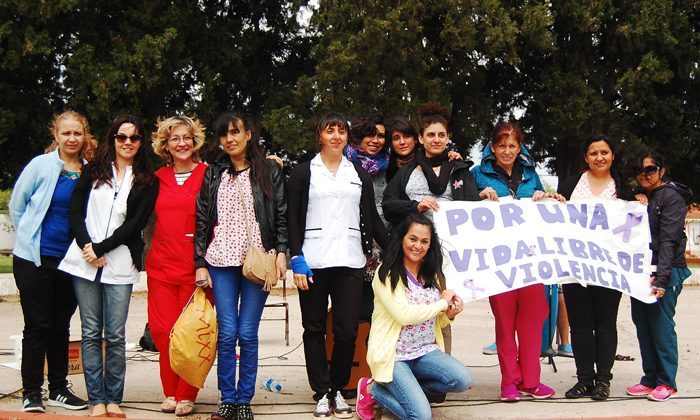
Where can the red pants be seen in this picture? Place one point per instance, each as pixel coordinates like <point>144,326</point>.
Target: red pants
<point>165,303</point>
<point>520,311</point>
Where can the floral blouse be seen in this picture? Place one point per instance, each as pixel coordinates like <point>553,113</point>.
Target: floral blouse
<point>418,339</point>
<point>229,246</point>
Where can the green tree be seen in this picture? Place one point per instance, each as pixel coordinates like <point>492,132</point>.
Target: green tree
<point>151,59</point>
<point>626,68</point>
<point>31,42</point>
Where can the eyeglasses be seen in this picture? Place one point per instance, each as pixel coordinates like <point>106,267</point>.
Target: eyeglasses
<point>647,170</point>
<point>177,140</point>
<point>121,138</point>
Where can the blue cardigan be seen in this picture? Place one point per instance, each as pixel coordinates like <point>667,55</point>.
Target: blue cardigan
<point>485,175</point>
<point>30,201</point>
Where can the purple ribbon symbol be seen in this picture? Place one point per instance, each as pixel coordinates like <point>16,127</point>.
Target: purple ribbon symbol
<point>469,284</point>
<point>633,219</point>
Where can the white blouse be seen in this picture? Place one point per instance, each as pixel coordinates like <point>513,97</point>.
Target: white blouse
<point>332,237</point>
<point>106,211</point>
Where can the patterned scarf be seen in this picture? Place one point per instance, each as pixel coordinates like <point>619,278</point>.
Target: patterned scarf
<point>372,163</point>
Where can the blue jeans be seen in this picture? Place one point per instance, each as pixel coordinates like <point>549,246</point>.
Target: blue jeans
<point>434,374</point>
<point>239,305</point>
<point>103,307</point>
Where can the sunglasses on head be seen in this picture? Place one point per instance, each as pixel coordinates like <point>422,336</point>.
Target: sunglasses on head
<point>647,170</point>
<point>121,138</point>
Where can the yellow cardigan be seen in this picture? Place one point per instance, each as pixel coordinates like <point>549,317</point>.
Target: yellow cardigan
<point>391,312</point>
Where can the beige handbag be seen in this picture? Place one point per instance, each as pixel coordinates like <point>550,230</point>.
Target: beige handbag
<point>259,266</point>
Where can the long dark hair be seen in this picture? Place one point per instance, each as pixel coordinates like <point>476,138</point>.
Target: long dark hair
<point>393,266</point>
<point>622,189</point>
<point>259,170</point>
<point>100,168</point>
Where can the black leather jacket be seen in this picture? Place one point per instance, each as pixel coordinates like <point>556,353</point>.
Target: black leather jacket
<point>270,213</point>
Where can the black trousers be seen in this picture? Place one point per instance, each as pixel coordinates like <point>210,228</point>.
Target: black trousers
<point>593,319</point>
<point>48,303</point>
<point>344,286</point>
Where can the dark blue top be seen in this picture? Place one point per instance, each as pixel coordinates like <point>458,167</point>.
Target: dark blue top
<point>55,235</point>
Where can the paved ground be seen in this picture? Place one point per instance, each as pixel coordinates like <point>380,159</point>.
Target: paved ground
<point>471,332</point>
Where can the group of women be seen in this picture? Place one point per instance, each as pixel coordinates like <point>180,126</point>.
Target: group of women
<point>79,211</point>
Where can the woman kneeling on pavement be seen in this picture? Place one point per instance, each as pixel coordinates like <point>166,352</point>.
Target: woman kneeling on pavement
<point>405,351</point>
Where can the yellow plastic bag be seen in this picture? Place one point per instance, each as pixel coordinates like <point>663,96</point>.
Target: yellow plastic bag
<point>193,340</point>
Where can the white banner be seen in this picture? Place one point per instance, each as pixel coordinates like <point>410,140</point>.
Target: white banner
<point>493,247</point>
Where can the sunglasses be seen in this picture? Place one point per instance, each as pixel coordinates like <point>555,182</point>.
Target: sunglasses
<point>647,170</point>
<point>121,138</point>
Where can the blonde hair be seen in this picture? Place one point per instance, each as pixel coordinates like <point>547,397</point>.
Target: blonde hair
<point>89,143</point>
<point>165,126</point>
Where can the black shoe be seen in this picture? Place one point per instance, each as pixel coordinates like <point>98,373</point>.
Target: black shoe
<point>601,391</point>
<point>243,412</point>
<point>226,411</point>
<point>579,390</point>
<point>436,400</point>
<point>31,402</point>
<point>66,399</point>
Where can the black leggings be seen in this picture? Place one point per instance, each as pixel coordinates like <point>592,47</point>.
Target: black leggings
<point>48,303</point>
<point>593,318</point>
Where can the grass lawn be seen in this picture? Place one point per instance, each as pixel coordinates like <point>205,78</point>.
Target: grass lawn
<point>5,264</point>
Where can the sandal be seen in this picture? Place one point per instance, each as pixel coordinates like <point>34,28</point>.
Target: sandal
<point>184,408</point>
<point>601,391</point>
<point>99,410</point>
<point>113,410</point>
<point>579,390</point>
<point>168,405</point>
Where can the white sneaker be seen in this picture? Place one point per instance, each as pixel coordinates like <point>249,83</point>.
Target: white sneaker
<point>322,408</point>
<point>341,409</point>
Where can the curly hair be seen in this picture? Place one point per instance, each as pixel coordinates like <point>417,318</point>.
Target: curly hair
<point>87,152</point>
<point>365,126</point>
<point>433,112</point>
<point>165,126</point>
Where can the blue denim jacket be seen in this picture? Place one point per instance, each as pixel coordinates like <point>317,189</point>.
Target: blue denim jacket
<point>485,175</point>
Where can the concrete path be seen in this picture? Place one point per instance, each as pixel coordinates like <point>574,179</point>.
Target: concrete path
<point>472,331</point>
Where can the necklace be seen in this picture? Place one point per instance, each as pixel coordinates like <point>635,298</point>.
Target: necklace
<point>72,175</point>
<point>117,186</point>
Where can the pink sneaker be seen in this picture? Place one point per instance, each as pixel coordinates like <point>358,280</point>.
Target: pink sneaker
<point>365,401</point>
<point>509,393</point>
<point>661,393</point>
<point>639,390</point>
<point>539,392</point>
